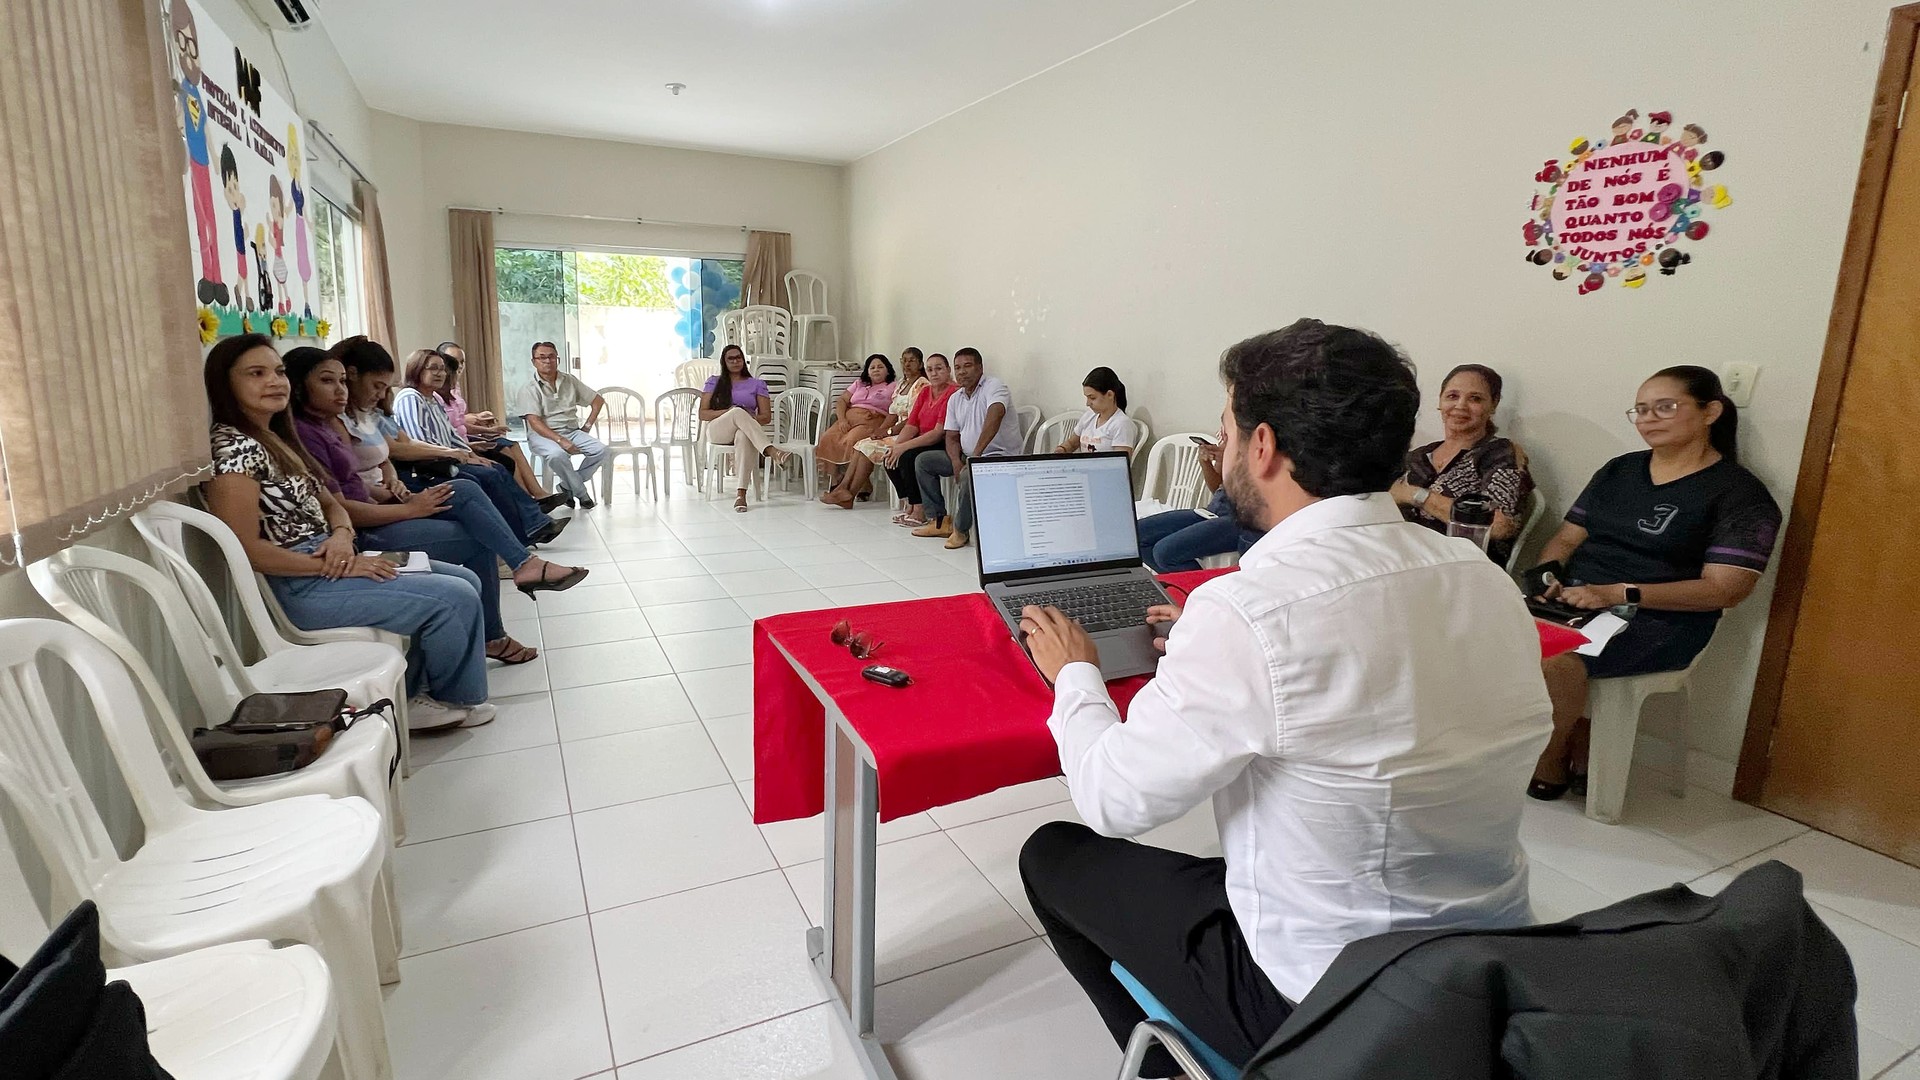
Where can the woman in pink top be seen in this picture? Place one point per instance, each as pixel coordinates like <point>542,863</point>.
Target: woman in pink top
<point>860,412</point>
<point>919,433</point>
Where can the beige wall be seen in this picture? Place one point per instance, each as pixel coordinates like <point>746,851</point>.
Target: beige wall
<point>542,178</point>
<point>1242,163</point>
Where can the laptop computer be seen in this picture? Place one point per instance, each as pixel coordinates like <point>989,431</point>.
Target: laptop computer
<point>1057,530</point>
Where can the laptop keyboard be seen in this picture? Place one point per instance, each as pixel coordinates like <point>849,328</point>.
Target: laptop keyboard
<point>1094,607</point>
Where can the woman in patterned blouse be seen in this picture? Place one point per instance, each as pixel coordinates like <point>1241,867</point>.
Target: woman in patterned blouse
<point>265,486</point>
<point>1472,458</point>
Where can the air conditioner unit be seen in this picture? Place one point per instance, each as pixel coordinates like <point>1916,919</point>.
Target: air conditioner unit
<point>284,14</point>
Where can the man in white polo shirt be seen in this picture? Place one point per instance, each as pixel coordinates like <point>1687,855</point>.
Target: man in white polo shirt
<point>980,423</point>
<point>554,430</point>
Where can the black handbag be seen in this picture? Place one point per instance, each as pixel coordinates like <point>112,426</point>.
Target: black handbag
<point>270,734</point>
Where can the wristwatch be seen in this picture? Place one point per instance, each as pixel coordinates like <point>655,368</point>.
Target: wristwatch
<point>1633,595</point>
<point>1420,496</point>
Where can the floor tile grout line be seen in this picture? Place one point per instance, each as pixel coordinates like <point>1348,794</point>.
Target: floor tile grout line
<point>1897,1062</point>
<point>723,1034</point>
<point>586,903</point>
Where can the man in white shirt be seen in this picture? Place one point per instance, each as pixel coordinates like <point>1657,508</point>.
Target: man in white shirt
<point>1362,702</point>
<point>980,423</point>
<point>554,430</point>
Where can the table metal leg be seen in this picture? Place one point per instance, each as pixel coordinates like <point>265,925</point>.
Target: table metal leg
<point>842,950</point>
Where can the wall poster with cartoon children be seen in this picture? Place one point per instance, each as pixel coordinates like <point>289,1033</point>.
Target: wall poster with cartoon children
<point>1625,203</point>
<point>252,251</point>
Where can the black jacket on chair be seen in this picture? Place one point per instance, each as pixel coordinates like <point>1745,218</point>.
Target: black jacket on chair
<point>61,1020</point>
<point>1669,985</point>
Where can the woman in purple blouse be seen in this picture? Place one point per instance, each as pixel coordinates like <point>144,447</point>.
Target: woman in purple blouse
<point>736,411</point>
<point>453,522</point>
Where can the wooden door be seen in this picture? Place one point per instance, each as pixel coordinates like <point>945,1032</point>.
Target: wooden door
<point>1845,745</point>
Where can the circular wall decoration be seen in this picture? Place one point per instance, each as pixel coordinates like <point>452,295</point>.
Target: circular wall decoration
<point>1624,204</point>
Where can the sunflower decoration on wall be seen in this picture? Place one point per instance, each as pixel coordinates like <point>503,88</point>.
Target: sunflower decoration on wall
<point>322,329</point>
<point>278,327</point>
<point>1624,203</point>
<point>209,326</point>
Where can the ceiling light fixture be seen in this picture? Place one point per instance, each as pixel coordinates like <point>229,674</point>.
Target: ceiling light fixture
<point>674,88</point>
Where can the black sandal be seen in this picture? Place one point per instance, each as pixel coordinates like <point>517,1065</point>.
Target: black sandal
<point>547,583</point>
<point>1545,792</point>
<point>511,653</point>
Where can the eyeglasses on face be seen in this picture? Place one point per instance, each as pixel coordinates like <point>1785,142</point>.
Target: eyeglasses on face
<point>857,642</point>
<point>1665,409</point>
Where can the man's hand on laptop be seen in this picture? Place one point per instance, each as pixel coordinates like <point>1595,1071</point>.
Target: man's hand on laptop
<point>1162,615</point>
<point>1055,641</point>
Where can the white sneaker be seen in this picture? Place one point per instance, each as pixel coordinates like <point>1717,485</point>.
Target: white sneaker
<point>479,715</point>
<point>426,714</point>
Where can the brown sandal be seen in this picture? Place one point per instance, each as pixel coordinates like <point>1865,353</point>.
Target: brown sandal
<point>510,652</point>
<point>569,577</point>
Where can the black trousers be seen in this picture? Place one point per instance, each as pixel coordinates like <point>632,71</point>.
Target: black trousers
<point>1164,916</point>
<point>905,483</point>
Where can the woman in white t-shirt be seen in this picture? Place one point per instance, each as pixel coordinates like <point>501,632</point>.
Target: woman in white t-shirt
<point>1105,425</point>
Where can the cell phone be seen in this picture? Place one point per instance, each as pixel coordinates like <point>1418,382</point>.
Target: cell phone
<point>886,676</point>
<point>397,558</point>
<point>1200,440</point>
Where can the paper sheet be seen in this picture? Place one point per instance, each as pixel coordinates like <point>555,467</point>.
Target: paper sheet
<point>1600,630</point>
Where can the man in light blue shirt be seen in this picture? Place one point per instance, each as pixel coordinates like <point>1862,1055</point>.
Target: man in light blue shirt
<point>554,430</point>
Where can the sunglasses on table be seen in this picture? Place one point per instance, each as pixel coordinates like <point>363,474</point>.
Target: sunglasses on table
<point>858,642</point>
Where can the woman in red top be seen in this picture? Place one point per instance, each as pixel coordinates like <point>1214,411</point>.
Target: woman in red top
<point>922,433</point>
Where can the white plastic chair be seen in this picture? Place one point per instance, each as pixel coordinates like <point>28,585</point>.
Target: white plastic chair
<point>797,416</point>
<point>622,426</point>
<point>242,1011</point>
<point>1029,418</point>
<point>82,582</point>
<point>676,423</point>
<point>695,373</point>
<point>1142,434</point>
<point>807,299</point>
<point>1535,511</point>
<point>1613,706</point>
<point>163,526</point>
<point>1174,478</point>
<point>726,330</point>
<point>302,869</point>
<point>766,330</point>
<point>1053,432</point>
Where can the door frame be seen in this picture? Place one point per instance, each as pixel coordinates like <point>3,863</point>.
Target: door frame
<point>1796,550</point>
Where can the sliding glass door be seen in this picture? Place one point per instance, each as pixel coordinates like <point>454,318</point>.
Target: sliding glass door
<point>619,318</point>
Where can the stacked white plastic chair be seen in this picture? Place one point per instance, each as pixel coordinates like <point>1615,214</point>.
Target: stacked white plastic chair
<point>807,300</point>
<point>303,869</point>
<point>622,426</point>
<point>694,373</point>
<point>765,330</point>
<point>1029,419</point>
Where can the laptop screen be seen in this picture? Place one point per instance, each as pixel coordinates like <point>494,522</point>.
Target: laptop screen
<point>1050,512</point>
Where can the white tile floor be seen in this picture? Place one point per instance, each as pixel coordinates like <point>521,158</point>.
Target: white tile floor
<point>585,893</point>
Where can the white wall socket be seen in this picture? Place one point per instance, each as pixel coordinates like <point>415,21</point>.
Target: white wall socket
<point>1737,380</point>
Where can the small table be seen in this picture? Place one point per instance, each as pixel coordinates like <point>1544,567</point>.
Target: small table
<point>974,721</point>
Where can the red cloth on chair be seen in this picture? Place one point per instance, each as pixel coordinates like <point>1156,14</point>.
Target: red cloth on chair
<point>974,720</point>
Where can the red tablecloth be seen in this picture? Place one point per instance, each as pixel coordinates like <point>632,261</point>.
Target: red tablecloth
<point>974,720</point>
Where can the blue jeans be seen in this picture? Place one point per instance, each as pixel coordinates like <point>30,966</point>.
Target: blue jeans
<point>469,533</point>
<point>1179,539</point>
<point>928,470</point>
<point>439,611</point>
<point>516,507</point>
<point>593,454</point>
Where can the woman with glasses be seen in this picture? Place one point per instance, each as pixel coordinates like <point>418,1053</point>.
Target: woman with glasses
<point>735,410</point>
<point>1471,459</point>
<point>1673,535</point>
<point>486,435</point>
<point>418,410</point>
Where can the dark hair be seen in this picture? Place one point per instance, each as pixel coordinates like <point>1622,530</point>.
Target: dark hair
<point>300,363</point>
<point>1494,384</point>
<point>229,168</point>
<point>1712,160</point>
<point>866,378</point>
<point>722,396</point>
<point>969,350</point>
<point>1341,403</point>
<point>1696,131</point>
<point>362,354</point>
<point>1703,386</point>
<point>445,345</point>
<point>916,353</point>
<point>548,344</point>
<point>1102,380</point>
<point>278,437</point>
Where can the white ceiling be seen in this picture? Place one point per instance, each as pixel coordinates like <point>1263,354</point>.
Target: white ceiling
<point>823,80</point>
